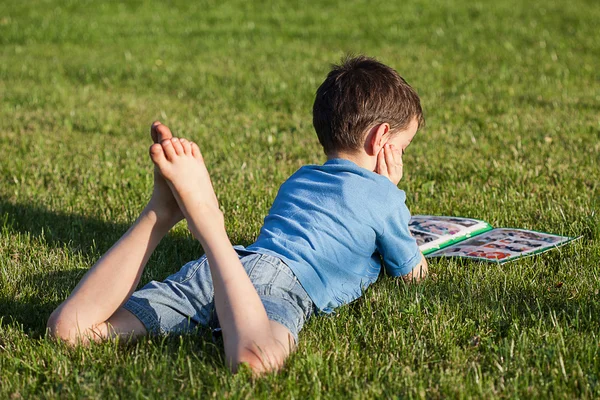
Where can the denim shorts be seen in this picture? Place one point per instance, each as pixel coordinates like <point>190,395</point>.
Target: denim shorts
<point>185,299</point>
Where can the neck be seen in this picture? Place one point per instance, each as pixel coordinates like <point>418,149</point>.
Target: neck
<point>360,158</point>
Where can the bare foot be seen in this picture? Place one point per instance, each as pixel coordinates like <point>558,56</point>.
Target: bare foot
<point>181,164</point>
<point>162,201</point>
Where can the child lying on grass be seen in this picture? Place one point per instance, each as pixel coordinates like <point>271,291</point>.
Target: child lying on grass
<point>321,244</point>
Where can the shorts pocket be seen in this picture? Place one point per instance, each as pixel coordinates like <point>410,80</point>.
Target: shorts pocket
<point>303,299</point>
<point>188,271</point>
<point>261,271</point>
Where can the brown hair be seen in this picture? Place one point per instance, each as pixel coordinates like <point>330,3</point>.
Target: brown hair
<point>358,94</point>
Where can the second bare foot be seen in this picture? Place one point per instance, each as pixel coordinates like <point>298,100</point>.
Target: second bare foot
<point>162,201</point>
<point>181,164</point>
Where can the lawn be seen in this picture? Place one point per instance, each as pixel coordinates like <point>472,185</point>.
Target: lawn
<point>511,93</point>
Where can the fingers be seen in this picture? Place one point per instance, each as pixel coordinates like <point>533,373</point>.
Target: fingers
<point>397,155</point>
<point>382,168</point>
<point>389,156</point>
<point>398,168</point>
<point>389,163</point>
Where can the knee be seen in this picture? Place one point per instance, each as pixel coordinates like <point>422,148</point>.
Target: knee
<point>55,325</point>
<point>59,327</point>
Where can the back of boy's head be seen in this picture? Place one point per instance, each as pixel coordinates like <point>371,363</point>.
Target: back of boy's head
<point>357,95</point>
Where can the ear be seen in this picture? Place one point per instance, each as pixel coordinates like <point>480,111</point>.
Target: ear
<point>378,136</point>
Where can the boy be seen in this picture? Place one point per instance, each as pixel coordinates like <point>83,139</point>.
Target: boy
<point>321,244</point>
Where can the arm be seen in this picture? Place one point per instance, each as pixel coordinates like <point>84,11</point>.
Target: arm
<point>389,164</point>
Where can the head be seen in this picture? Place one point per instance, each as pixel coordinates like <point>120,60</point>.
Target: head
<point>361,97</point>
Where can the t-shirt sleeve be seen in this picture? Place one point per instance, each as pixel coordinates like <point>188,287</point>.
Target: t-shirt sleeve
<point>398,248</point>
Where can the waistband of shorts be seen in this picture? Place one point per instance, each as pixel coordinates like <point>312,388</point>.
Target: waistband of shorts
<point>243,252</point>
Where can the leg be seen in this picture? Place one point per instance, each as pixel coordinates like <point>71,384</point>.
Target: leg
<point>95,302</point>
<point>122,324</point>
<point>283,336</point>
<point>247,332</point>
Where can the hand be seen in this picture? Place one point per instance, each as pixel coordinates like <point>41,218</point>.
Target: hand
<point>389,163</point>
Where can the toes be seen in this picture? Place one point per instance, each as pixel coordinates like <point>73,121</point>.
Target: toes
<point>153,132</point>
<point>156,153</point>
<point>160,132</point>
<point>187,148</point>
<point>196,150</point>
<point>167,146</point>
<point>163,132</point>
<point>177,146</point>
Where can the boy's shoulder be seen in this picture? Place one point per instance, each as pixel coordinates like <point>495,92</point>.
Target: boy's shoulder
<point>342,180</point>
<point>346,172</point>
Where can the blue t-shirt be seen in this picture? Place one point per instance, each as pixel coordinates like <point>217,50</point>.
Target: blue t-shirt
<point>329,223</point>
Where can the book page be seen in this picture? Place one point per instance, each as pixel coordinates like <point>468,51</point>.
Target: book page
<point>435,232</point>
<point>503,245</point>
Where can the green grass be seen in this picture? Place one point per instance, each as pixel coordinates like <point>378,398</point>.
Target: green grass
<point>511,96</point>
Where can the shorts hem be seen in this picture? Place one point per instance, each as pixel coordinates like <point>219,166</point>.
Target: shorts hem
<point>150,322</point>
<point>282,321</point>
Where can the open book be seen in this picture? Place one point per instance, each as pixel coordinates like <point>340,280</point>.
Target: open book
<point>475,239</point>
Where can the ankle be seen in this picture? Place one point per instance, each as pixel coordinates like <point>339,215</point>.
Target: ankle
<point>206,221</point>
<point>163,218</point>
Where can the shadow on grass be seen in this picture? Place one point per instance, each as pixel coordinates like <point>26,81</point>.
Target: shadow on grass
<point>82,235</point>
<point>32,311</point>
